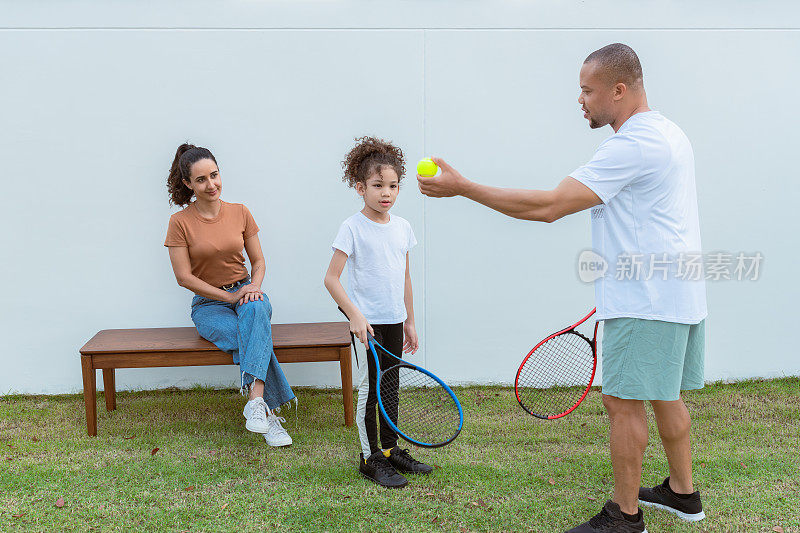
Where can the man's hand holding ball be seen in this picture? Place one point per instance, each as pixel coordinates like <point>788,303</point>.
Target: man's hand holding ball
<point>448,183</point>
<point>426,167</point>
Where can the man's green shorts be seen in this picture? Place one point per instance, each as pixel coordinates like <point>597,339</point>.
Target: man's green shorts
<point>651,359</point>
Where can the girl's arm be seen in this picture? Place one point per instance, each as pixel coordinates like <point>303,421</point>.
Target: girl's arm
<point>411,342</point>
<point>358,323</point>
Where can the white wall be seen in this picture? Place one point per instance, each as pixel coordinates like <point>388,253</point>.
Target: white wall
<point>97,95</point>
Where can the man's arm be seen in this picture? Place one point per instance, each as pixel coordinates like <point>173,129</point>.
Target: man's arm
<point>569,197</point>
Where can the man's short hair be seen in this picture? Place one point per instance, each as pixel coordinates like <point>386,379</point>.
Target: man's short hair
<point>619,64</point>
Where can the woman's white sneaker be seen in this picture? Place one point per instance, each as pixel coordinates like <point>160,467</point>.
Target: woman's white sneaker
<point>275,434</point>
<point>255,411</point>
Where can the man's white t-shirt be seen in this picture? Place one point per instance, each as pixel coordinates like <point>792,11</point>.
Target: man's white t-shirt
<point>647,228</point>
<point>376,265</point>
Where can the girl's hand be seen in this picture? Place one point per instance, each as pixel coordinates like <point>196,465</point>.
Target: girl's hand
<point>410,341</point>
<point>247,293</point>
<point>359,327</point>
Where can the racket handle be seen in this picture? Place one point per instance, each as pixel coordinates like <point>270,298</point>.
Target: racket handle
<point>370,340</point>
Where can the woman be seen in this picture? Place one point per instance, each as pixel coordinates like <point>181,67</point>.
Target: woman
<point>205,242</point>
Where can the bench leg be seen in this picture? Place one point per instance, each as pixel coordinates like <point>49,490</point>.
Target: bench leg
<point>347,385</point>
<point>109,389</point>
<point>89,394</point>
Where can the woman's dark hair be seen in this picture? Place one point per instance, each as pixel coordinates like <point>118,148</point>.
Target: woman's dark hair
<point>368,157</point>
<point>181,169</point>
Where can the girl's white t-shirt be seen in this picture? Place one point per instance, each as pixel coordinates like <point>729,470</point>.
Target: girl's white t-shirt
<point>647,228</point>
<point>376,265</point>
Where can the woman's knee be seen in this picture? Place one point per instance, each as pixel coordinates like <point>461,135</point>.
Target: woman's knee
<point>214,326</point>
<point>257,308</point>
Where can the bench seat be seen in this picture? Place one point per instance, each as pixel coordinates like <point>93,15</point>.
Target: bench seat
<point>166,347</point>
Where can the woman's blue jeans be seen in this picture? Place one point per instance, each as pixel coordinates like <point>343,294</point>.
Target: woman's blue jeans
<point>245,331</point>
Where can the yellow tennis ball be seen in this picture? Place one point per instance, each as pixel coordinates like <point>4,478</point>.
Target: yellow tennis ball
<point>426,167</point>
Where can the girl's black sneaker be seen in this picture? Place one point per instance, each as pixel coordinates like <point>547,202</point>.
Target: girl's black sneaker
<point>377,468</point>
<point>403,462</point>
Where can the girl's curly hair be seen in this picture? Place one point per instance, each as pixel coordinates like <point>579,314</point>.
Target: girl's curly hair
<point>368,157</point>
<point>186,156</point>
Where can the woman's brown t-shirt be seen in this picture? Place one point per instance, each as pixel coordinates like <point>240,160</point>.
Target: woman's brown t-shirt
<point>215,244</point>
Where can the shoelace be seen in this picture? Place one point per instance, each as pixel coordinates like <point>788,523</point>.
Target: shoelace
<point>275,427</point>
<point>260,412</point>
<point>601,519</point>
<point>405,456</point>
<point>661,490</point>
<point>384,466</point>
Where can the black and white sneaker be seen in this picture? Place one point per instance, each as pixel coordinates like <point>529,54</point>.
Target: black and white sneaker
<point>377,468</point>
<point>403,462</point>
<point>688,506</point>
<point>610,520</point>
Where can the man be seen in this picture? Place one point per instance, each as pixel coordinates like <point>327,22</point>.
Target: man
<point>640,186</point>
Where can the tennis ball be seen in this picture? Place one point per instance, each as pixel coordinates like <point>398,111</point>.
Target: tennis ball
<point>426,167</point>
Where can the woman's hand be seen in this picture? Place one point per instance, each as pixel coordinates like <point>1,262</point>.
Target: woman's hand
<point>247,293</point>
<point>410,341</point>
<point>359,327</point>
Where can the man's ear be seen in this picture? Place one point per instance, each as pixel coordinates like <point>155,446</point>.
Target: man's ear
<point>619,91</point>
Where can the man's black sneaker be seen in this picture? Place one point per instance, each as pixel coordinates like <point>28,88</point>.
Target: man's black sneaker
<point>378,469</point>
<point>610,520</point>
<point>403,462</point>
<point>662,497</point>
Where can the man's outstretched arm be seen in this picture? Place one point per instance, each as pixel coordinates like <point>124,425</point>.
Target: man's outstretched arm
<point>569,197</point>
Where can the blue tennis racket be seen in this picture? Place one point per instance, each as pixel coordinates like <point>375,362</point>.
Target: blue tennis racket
<point>419,406</point>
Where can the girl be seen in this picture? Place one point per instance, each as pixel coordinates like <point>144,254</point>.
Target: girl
<point>205,242</point>
<point>375,246</point>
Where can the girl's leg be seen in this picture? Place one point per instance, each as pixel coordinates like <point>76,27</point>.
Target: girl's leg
<point>392,341</point>
<point>368,401</point>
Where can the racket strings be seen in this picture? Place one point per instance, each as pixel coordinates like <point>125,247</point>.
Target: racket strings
<point>419,406</point>
<point>556,375</point>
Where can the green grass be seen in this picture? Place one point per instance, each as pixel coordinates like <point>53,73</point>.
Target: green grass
<point>506,472</point>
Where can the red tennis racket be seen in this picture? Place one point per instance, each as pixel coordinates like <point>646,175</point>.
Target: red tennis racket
<point>557,374</point>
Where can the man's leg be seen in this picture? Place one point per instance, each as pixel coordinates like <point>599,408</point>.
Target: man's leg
<point>673,427</point>
<point>628,442</point>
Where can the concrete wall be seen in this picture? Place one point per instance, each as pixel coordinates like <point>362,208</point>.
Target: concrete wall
<point>97,95</point>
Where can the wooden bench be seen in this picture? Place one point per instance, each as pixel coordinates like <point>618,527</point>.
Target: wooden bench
<point>164,347</point>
